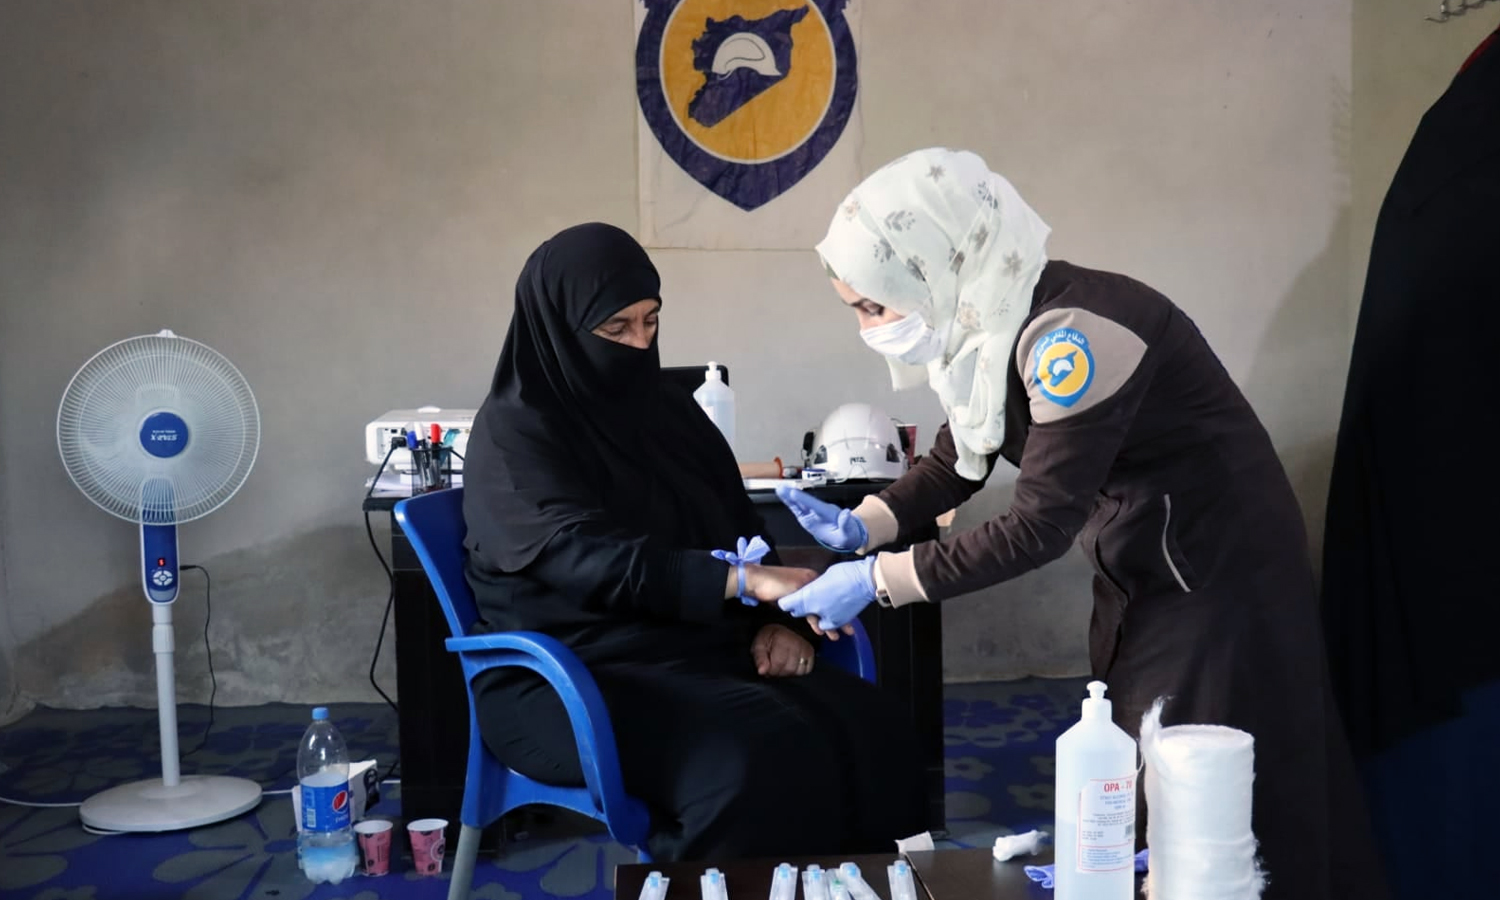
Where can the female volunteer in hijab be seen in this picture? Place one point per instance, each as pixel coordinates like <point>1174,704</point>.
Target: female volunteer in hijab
<point>1130,437</point>
<point>594,494</point>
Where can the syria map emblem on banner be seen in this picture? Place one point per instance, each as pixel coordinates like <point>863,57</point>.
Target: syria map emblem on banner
<point>746,96</point>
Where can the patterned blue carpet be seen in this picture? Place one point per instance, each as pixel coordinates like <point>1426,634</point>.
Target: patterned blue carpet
<point>999,740</point>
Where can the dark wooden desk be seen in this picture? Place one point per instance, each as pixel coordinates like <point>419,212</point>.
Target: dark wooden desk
<point>974,874</point>
<point>434,715</point>
<point>940,875</point>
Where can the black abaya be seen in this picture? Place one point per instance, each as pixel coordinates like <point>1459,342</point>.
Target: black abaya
<point>594,493</point>
<point>1408,592</point>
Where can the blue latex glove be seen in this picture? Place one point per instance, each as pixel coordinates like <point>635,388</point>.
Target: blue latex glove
<point>745,553</point>
<point>835,528</point>
<point>837,596</point>
<point>1045,875</point>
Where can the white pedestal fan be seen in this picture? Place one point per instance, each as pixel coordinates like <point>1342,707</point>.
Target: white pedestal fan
<point>161,430</point>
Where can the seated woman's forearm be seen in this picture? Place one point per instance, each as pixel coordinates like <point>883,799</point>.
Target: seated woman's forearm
<point>629,576</point>
<point>770,583</point>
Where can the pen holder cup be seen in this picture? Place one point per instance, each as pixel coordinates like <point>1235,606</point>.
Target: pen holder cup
<point>430,467</point>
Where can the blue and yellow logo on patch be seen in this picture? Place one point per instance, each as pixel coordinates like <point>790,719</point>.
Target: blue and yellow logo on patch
<point>747,96</point>
<point>1064,366</point>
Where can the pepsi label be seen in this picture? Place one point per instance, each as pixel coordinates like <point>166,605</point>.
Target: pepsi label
<point>325,808</point>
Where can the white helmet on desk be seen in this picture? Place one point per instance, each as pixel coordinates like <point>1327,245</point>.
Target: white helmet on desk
<point>856,441</point>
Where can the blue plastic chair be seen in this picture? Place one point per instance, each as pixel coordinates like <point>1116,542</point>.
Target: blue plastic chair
<point>434,523</point>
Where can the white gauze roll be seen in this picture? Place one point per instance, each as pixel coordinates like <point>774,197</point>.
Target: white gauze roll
<point>1199,784</point>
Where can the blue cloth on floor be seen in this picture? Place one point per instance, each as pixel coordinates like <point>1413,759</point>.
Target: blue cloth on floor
<point>1436,791</point>
<point>1043,875</point>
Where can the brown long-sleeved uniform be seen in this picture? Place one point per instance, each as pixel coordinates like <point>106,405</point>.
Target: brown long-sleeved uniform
<point>1132,439</point>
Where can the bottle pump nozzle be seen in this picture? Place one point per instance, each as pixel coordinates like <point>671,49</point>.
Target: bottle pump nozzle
<point>1096,706</point>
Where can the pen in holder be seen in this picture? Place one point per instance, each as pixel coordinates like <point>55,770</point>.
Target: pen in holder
<point>430,468</point>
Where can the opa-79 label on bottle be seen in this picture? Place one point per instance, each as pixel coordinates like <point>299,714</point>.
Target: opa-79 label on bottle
<point>1106,825</point>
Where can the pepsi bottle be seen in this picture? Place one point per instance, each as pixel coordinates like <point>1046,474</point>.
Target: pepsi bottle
<point>325,845</point>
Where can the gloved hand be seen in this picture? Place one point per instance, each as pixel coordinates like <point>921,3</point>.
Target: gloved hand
<point>837,596</point>
<point>837,529</point>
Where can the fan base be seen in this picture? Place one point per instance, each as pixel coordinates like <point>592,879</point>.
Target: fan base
<point>152,806</point>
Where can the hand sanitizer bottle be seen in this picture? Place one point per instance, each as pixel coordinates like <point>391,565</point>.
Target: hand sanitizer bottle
<point>1095,826</point>
<point>718,401</point>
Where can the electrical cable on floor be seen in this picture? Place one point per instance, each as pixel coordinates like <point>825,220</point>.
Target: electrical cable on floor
<point>280,792</point>
<point>213,692</point>
<point>39,805</point>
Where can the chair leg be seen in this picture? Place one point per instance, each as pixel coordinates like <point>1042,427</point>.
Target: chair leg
<point>463,863</point>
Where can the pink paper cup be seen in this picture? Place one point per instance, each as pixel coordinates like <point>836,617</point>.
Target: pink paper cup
<point>374,845</point>
<point>428,845</point>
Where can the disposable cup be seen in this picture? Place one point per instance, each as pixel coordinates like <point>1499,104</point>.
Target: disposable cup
<point>428,844</point>
<point>374,845</point>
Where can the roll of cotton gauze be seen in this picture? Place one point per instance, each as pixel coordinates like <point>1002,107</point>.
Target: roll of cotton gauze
<point>1199,784</point>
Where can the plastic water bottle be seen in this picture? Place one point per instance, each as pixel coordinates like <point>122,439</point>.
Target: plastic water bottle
<point>1095,827</point>
<point>718,401</point>
<point>325,846</point>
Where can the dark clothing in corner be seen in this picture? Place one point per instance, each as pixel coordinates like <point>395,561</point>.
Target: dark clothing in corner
<point>1409,596</point>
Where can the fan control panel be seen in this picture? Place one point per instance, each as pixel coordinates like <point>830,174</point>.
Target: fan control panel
<point>159,562</point>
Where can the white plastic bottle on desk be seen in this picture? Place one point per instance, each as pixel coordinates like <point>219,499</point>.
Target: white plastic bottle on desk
<point>1095,825</point>
<point>325,846</point>
<point>718,401</point>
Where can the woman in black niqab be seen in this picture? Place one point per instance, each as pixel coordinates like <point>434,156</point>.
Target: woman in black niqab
<point>594,493</point>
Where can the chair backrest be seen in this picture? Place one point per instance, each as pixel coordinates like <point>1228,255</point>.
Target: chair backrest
<point>434,523</point>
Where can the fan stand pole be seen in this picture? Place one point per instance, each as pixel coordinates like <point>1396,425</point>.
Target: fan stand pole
<point>163,642</point>
<point>172,802</point>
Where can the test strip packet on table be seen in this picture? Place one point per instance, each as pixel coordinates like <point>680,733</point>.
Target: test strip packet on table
<point>837,890</point>
<point>814,883</point>
<point>654,887</point>
<point>859,889</point>
<point>902,886</point>
<point>784,882</point>
<point>713,885</point>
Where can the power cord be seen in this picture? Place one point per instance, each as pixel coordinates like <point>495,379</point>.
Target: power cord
<point>282,792</point>
<point>208,591</point>
<point>213,676</point>
<point>213,693</point>
<point>390,600</point>
<point>390,577</point>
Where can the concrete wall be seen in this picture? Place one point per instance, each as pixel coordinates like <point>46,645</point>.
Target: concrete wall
<point>338,195</point>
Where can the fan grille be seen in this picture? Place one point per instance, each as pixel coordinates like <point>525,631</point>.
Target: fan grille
<point>106,404</point>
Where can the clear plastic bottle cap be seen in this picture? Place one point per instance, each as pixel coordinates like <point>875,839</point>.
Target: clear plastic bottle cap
<point>320,713</point>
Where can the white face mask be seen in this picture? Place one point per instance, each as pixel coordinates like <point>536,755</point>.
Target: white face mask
<point>908,339</point>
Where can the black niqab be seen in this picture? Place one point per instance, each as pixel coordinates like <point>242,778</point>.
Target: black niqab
<point>581,429</point>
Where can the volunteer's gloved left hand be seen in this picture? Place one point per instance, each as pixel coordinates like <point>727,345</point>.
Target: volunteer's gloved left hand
<point>837,529</point>
<point>837,596</point>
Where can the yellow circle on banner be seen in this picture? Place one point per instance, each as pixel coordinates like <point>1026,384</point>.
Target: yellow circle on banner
<point>778,120</point>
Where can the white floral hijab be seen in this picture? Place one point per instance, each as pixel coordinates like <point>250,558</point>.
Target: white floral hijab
<point>937,234</point>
